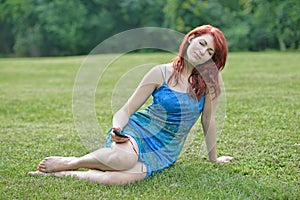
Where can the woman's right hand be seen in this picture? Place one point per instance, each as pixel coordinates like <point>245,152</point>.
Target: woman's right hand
<point>224,159</point>
<point>117,139</point>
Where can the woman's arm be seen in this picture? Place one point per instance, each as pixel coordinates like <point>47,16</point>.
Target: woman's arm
<point>151,81</point>
<point>209,126</point>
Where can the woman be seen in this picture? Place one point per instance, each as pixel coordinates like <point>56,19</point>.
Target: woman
<point>144,142</point>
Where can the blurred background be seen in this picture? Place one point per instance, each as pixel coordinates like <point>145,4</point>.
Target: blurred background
<point>75,27</point>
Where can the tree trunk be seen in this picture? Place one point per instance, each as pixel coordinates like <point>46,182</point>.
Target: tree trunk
<point>282,45</point>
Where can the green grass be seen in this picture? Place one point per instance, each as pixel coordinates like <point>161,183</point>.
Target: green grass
<point>261,130</point>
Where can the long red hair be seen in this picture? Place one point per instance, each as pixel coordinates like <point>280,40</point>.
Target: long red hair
<point>204,76</point>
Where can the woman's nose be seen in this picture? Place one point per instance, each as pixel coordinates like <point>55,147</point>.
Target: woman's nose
<point>203,50</point>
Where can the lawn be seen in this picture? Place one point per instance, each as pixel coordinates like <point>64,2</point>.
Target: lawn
<point>261,129</point>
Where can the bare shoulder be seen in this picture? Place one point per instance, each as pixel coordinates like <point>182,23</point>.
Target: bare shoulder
<point>169,68</point>
<point>165,70</point>
<point>155,75</point>
<point>162,67</point>
<point>156,72</point>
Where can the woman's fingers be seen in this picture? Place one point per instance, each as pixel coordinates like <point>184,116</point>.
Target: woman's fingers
<point>224,159</point>
<point>118,139</point>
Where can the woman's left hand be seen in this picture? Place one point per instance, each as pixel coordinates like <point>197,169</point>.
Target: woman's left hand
<point>224,159</point>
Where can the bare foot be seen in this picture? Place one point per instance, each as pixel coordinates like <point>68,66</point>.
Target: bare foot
<point>56,164</point>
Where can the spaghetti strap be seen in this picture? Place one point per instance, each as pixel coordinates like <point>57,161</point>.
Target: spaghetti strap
<point>165,73</point>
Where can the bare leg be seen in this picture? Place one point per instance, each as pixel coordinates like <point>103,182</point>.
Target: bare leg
<point>120,156</point>
<point>136,173</point>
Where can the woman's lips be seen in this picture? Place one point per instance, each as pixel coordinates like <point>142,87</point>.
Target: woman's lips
<point>197,55</point>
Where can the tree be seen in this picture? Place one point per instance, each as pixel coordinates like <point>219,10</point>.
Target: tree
<point>275,24</point>
<point>59,24</point>
<point>183,15</point>
<point>72,27</point>
<point>286,24</point>
<point>17,16</point>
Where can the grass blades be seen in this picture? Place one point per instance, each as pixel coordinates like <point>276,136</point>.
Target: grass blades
<point>261,130</point>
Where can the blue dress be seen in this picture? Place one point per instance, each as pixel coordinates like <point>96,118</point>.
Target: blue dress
<point>161,129</point>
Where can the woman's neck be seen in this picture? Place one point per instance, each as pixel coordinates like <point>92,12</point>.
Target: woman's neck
<point>187,70</point>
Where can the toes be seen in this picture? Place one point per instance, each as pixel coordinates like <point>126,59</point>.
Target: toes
<point>42,167</point>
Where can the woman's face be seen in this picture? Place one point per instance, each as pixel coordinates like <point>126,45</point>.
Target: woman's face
<point>201,49</point>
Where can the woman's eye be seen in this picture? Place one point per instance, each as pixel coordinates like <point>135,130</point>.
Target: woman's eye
<point>202,43</point>
<point>211,52</point>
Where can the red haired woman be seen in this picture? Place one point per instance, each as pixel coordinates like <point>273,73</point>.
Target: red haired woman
<point>145,141</point>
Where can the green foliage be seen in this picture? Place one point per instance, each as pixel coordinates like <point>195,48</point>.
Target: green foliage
<point>61,24</point>
<point>46,28</point>
<point>138,13</point>
<point>276,24</point>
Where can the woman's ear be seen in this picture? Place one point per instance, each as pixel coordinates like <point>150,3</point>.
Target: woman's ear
<point>190,38</point>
